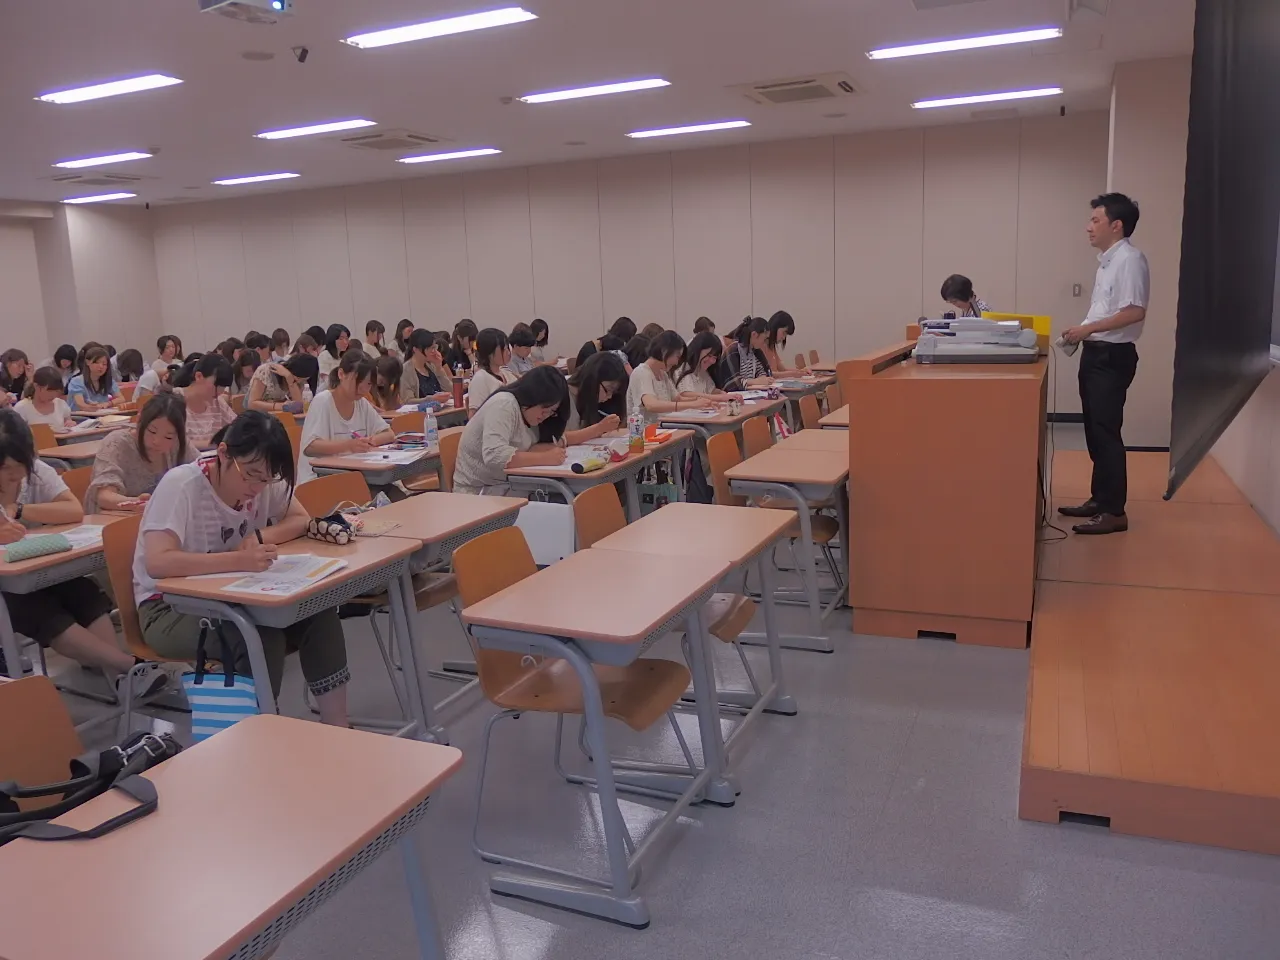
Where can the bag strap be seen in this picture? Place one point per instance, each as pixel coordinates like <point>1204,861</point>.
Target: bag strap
<point>228,664</point>
<point>138,787</point>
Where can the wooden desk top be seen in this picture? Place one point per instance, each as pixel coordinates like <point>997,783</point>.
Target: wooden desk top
<point>72,437</point>
<point>836,418</point>
<point>72,451</point>
<point>608,471</point>
<point>831,441</point>
<point>53,559</point>
<point>351,463</point>
<point>105,412</point>
<point>362,554</point>
<point>809,383</point>
<point>432,517</point>
<point>910,370</point>
<point>603,595</point>
<point>259,815</point>
<point>750,408</point>
<point>776,465</point>
<point>700,530</point>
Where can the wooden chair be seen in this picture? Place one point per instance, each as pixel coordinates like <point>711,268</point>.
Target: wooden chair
<point>597,512</point>
<point>43,435</point>
<point>571,364</point>
<point>77,481</point>
<point>449,456</point>
<point>835,399</point>
<point>757,435</point>
<point>814,359</point>
<point>41,741</point>
<point>237,403</point>
<point>295,437</point>
<point>637,694</point>
<point>127,390</point>
<point>322,495</point>
<point>800,364</point>
<point>408,423</point>
<point>810,413</point>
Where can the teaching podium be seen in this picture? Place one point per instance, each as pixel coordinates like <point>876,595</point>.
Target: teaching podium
<point>944,496</point>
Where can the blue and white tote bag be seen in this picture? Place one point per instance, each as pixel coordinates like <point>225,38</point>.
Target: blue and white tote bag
<point>217,702</point>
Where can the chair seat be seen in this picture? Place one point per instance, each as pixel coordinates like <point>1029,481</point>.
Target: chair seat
<point>637,694</point>
<point>727,615</point>
<point>429,590</point>
<point>425,484</point>
<point>825,529</point>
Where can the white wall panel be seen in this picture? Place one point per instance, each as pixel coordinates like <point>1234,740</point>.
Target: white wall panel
<point>564,220</point>
<point>175,249</point>
<point>324,259</point>
<point>879,226</point>
<point>792,238</point>
<point>271,267</point>
<point>224,299</point>
<point>636,240</point>
<point>711,213</point>
<point>436,242</point>
<point>22,320</point>
<point>379,267</point>
<point>499,251</point>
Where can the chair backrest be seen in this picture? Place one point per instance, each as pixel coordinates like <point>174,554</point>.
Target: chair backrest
<point>835,399</point>
<point>77,481</point>
<point>295,437</point>
<point>723,455</point>
<point>757,436</point>
<point>237,402</point>
<point>813,357</point>
<point>43,435</point>
<point>285,418</point>
<point>800,364</point>
<point>127,389</point>
<point>571,364</point>
<point>320,496</point>
<point>597,512</point>
<point>810,413</point>
<point>449,456</point>
<point>119,540</point>
<point>484,566</point>
<point>415,422</point>
<point>47,741</point>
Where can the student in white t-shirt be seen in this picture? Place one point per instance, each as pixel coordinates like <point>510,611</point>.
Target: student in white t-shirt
<point>341,419</point>
<point>46,403</point>
<point>72,617</point>
<point>490,373</point>
<point>696,376</point>
<point>227,513</point>
<point>151,379</point>
<point>651,390</point>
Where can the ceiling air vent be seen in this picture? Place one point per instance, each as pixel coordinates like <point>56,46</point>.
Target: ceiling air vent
<point>939,4</point>
<point>814,86</point>
<point>391,140</point>
<point>97,179</point>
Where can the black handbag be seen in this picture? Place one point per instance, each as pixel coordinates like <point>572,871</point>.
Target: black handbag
<point>93,774</point>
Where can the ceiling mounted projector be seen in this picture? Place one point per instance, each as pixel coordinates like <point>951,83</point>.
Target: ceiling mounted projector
<point>249,11</point>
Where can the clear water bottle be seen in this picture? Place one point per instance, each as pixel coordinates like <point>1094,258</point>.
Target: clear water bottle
<point>306,394</point>
<point>431,429</point>
<point>635,432</point>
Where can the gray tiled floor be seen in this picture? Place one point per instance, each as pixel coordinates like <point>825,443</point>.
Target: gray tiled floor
<point>878,823</point>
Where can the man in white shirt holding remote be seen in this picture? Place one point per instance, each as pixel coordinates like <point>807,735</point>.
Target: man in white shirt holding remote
<point>1109,358</point>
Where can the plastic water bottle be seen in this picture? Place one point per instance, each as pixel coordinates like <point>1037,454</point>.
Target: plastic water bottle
<point>306,394</point>
<point>635,432</point>
<point>431,429</point>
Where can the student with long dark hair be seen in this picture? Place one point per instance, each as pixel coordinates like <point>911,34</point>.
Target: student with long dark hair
<point>637,350</point>
<point>15,374</point>
<point>169,349</point>
<point>697,375</point>
<point>260,343</point>
<point>341,419</point>
<point>374,334</point>
<point>462,351</point>
<point>703,325</point>
<point>280,341</point>
<point>227,514</point>
<point>744,363</point>
<point>399,344</point>
<point>129,364</point>
<point>493,353</point>
<point>278,386</point>
<point>423,376</point>
<point>651,390</point>
<point>316,333</point>
<point>243,368</point>
<point>597,398</point>
<point>623,328</point>
<point>130,462</point>
<point>607,342</point>
<point>72,617</point>
<point>385,394</point>
<point>652,331</point>
<point>520,425</point>
<point>780,327</point>
<point>336,340</point>
<point>93,388</point>
<point>45,403</point>
<point>201,383</point>
<point>541,337</point>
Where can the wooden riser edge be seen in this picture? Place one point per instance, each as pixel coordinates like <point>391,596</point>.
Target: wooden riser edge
<point>1156,810</point>
<point>1013,634</point>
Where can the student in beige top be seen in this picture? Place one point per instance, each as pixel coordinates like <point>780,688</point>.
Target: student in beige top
<point>424,376</point>
<point>651,391</point>
<point>131,462</point>
<point>278,386</point>
<point>520,425</point>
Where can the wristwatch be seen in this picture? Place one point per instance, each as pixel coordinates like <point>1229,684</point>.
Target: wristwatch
<point>17,511</point>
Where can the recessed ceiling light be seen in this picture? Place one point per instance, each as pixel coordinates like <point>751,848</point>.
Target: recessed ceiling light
<point>440,28</point>
<point>597,91</point>
<point>696,128</point>
<point>99,161</point>
<point>314,128</point>
<point>100,198</point>
<point>965,43</point>
<point>112,89</point>
<point>233,181</point>
<point>987,98</point>
<point>455,155</point>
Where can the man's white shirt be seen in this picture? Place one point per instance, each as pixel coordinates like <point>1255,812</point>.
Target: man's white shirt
<point>1123,280</point>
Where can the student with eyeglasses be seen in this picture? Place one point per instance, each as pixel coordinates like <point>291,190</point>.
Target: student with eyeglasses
<point>597,398</point>
<point>227,514</point>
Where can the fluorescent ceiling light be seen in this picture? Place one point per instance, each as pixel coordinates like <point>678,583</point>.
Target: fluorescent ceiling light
<point>456,155</point>
<point>99,161</point>
<point>112,89</point>
<point>965,43</point>
<point>314,128</point>
<point>598,91</point>
<point>100,197</point>
<point>440,28</point>
<point>987,98</point>
<point>696,128</point>
<point>258,179</point>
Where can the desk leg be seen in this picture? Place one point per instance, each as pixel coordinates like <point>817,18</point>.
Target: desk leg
<point>398,594</point>
<point>430,946</point>
<point>720,788</point>
<point>633,497</point>
<point>9,643</point>
<point>782,701</point>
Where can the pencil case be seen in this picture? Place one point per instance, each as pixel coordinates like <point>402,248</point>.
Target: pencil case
<point>589,464</point>
<point>41,545</point>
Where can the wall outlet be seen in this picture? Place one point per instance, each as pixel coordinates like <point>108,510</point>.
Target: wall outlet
<point>1076,290</point>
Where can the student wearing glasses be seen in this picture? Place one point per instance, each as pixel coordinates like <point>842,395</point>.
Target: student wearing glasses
<point>597,398</point>
<point>227,514</point>
<point>520,425</point>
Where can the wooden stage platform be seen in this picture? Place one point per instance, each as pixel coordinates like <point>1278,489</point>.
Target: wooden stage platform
<point>1155,659</point>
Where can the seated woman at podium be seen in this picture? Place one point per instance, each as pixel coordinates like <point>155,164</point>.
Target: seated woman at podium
<point>958,292</point>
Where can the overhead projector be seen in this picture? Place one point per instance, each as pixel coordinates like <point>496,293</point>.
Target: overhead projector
<point>249,11</point>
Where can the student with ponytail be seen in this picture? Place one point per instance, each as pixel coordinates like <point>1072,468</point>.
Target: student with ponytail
<point>341,419</point>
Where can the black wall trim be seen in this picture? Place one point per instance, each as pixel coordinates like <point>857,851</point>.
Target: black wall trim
<point>1066,418</point>
<point>1146,449</point>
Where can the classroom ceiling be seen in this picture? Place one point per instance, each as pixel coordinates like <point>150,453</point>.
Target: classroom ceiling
<point>454,87</point>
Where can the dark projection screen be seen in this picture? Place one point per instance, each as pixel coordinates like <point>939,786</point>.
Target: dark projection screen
<point>1227,288</point>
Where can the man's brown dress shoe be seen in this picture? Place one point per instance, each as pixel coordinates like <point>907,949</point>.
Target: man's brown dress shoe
<point>1087,509</point>
<point>1103,523</point>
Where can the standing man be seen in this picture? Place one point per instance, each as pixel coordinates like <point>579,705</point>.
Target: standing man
<point>1109,358</point>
